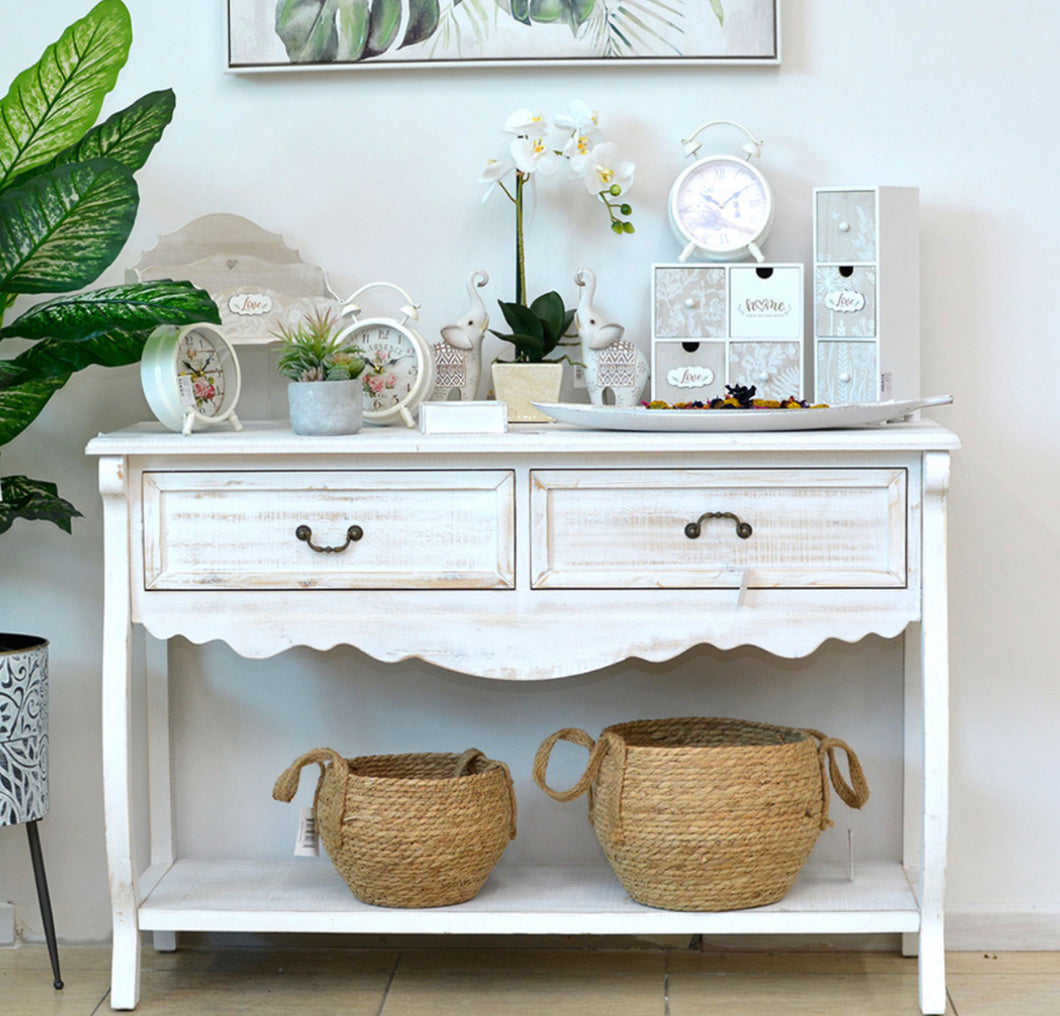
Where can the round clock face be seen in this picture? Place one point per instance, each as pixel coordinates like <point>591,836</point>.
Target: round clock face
<point>393,365</point>
<point>190,375</point>
<point>203,372</point>
<point>721,204</point>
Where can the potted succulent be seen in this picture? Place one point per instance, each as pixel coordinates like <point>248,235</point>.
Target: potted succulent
<point>68,201</point>
<point>539,326</point>
<point>324,392</point>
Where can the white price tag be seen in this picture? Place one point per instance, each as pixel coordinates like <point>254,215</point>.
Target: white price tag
<point>307,844</point>
<point>185,390</point>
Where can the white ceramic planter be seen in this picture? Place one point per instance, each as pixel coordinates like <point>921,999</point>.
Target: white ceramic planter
<point>23,729</point>
<point>519,384</point>
<point>325,407</point>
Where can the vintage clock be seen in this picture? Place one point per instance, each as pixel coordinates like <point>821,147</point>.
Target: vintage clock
<point>400,365</point>
<point>721,207</point>
<point>190,376</point>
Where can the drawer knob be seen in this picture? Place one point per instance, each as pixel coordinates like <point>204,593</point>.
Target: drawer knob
<point>305,534</point>
<point>844,227</point>
<point>693,529</point>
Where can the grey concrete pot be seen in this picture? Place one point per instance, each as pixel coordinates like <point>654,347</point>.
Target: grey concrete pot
<point>325,407</point>
<point>23,729</point>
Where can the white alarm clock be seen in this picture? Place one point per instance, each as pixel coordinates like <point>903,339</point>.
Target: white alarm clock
<point>190,376</point>
<point>399,372</point>
<point>721,207</point>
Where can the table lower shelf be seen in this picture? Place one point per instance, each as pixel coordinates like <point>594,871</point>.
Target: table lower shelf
<point>308,895</point>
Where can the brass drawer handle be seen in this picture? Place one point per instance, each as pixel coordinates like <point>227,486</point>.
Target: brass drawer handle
<point>693,529</point>
<point>305,534</point>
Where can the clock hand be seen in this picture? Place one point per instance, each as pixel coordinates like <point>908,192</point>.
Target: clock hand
<point>732,197</point>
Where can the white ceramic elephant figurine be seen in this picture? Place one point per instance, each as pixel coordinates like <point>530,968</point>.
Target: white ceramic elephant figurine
<point>458,358</point>
<point>616,371</point>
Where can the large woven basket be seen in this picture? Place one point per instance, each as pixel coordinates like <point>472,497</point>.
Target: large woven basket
<point>707,814</point>
<point>418,830</point>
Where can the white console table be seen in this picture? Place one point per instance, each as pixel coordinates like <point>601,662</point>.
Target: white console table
<point>581,533</point>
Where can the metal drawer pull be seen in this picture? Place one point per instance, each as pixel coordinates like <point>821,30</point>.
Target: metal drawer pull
<point>693,529</point>
<point>305,534</point>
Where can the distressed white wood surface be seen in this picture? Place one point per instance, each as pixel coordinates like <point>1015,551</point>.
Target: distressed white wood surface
<point>421,529</point>
<point>904,468</point>
<point>623,529</point>
<point>309,895</point>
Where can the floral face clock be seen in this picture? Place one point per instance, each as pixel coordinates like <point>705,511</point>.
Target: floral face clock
<point>721,207</point>
<point>399,372</point>
<point>190,376</point>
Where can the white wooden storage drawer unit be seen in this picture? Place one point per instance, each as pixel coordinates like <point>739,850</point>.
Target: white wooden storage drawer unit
<point>866,294</point>
<point>717,325</point>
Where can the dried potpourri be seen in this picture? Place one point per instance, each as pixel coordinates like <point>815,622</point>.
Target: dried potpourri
<point>738,397</point>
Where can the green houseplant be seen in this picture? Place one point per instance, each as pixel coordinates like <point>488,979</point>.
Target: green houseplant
<point>538,326</point>
<point>324,393</point>
<point>68,201</point>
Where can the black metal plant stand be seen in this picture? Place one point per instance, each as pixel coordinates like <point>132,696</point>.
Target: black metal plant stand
<point>45,900</point>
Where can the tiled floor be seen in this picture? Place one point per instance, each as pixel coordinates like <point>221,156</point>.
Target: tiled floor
<point>514,982</point>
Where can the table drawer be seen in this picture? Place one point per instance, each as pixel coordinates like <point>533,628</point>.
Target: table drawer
<point>624,529</point>
<point>418,530</point>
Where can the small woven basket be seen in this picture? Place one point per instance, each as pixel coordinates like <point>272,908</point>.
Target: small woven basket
<point>418,830</point>
<point>707,814</point>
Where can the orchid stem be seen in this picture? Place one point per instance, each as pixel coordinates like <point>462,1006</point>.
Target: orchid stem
<point>520,263</point>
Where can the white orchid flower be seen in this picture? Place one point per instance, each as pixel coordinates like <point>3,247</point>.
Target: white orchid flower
<point>602,169</point>
<point>579,117</point>
<point>526,123</point>
<point>495,171</point>
<point>534,155</point>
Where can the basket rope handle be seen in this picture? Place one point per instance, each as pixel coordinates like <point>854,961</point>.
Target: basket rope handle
<point>573,735</point>
<point>464,768</point>
<point>853,793</point>
<point>286,786</point>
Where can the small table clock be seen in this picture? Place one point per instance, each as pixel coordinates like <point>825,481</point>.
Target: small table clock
<point>190,376</point>
<point>721,207</point>
<point>400,365</point>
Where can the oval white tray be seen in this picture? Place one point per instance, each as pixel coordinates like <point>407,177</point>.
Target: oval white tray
<point>857,414</point>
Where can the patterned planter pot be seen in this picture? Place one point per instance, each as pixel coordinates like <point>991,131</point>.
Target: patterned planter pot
<point>23,729</point>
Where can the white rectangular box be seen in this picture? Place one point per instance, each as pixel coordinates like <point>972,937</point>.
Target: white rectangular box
<point>485,417</point>
<point>866,294</point>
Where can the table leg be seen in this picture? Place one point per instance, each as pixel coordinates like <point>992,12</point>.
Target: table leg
<point>117,737</point>
<point>934,656</point>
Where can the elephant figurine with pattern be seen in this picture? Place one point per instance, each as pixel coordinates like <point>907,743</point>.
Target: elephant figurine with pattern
<point>458,357</point>
<point>616,371</point>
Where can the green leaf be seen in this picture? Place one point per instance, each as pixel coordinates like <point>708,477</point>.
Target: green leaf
<point>351,28</point>
<point>59,231</point>
<point>521,11</point>
<point>142,305</point>
<point>719,11</point>
<point>568,12</point>
<point>51,360</point>
<point>322,31</point>
<point>19,406</point>
<point>522,320</point>
<point>382,27</point>
<point>33,500</point>
<point>423,20</point>
<point>548,308</point>
<point>51,104</point>
<point>127,137</point>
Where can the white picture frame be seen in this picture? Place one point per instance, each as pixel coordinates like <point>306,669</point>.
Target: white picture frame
<point>489,33</point>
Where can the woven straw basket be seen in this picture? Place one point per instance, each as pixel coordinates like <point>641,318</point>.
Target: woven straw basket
<point>707,814</point>
<point>420,830</point>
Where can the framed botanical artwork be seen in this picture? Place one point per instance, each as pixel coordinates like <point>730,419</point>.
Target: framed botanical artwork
<point>324,34</point>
